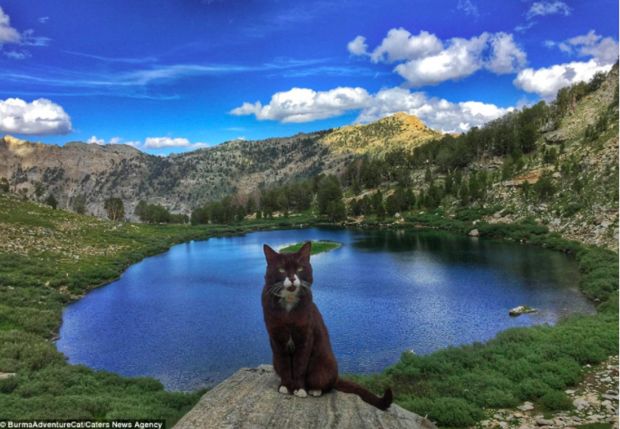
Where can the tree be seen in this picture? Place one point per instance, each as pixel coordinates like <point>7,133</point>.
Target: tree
<point>328,191</point>
<point>51,201</point>
<point>4,184</point>
<point>115,209</point>
<point>336,211</point>
<point>79,204</point>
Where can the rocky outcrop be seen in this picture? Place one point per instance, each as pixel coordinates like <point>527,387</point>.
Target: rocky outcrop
<point>249,399</point>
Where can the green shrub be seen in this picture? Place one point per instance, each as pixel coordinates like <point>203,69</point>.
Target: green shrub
<point>554,400</point>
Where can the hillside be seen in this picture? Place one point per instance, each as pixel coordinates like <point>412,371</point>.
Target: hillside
<point>179,182</point>
<point>184,181</point>
<point>398,131</point>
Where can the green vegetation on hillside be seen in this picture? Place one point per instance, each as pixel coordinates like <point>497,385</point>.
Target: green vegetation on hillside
<point>318,246</point>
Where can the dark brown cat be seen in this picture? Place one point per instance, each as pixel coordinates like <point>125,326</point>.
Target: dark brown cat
<point>302,353</point>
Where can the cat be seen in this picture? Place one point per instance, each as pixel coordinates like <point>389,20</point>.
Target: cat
<point>302,353</point>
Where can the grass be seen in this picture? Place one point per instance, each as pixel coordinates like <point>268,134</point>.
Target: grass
<point>318,246</point>
<point>49,258</point>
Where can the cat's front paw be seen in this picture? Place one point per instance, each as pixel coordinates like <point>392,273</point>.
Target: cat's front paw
<point>282,389</point>
<point>300,393</point>
<point>315,393</point>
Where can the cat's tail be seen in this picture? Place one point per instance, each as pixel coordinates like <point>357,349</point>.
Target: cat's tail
<point>383,403</point>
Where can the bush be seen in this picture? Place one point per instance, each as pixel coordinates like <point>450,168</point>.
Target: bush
<point>554,400</point>
<point>446,411</point>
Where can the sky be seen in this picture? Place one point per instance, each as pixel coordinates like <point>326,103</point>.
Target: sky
<point>170,76</point>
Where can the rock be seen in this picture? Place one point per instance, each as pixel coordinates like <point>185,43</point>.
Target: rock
<point>581,403</point>
<point>474,233</point>
<point>609,397</point>
<point>522,309</point>
<point>249,399</point>
<point>5,375</point>
<point>544,422</point>
<point>527,406</point>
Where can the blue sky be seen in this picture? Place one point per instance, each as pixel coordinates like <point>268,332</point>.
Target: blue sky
<point>175,75</point>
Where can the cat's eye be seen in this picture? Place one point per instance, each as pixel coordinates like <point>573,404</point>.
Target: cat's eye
<point>300,269</point>
<point>281,270</point>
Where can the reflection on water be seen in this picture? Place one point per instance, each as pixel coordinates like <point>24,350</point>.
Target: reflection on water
<point>192,316</point>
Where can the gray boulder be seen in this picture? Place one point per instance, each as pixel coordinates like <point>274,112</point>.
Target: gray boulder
<point>248,399</point>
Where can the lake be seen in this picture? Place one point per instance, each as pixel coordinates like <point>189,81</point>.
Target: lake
<point>192,316</point>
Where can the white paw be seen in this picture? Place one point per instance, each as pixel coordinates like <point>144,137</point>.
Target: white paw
<point>315,393</point>
<point>301,393</point>
<point>283,389</point>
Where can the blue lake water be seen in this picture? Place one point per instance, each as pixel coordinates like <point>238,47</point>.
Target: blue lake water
<point>192,316</point>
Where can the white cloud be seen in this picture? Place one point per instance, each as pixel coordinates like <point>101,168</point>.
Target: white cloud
<point>95,140</point>
<point>424,59</point>
<point>304,105</point>
<point>399,44</point>
<point>461,58</point>
<point>437,113</point>
<point>542,8</point>
<point>171,142</point>
<point>506,56</point>
<point>546,81</point>
<point>357,46</point>
<point>39,117</point>
<point>113,140</point>
<point>43,19</point>
<point>8,34</point>
<point>603,50</point>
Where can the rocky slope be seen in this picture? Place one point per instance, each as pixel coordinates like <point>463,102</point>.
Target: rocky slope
<point>585,173</point>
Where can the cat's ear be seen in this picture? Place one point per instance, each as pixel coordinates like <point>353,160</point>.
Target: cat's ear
<point>304,252</point>
<point>272,256</point>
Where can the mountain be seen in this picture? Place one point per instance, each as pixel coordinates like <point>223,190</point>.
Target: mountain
<point>398,131</point>
<point>183,181</point>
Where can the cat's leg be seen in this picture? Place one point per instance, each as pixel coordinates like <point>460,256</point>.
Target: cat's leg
<point>282,366</point>
<point>301,357</point>
<point>322,374</point>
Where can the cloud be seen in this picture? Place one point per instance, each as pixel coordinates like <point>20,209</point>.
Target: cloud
<point>8,34</point>
<point>39,117</point>
<point>171,142</point>
<point>603,50</point>
<point>43,19</point>
<point>468,8</point>
<point>546,81</point>
<point>424,59</point>
<point>17,55</point>
<point>305,105</point>
<point>542,8</point>
<point>95,140</point>
<point>437,113</point>
<point>506,56</point>
<point>400,44</point>
<point>113,140</point>
<point>310,105</point>
<point>357,46</point>
<point>29,39</point>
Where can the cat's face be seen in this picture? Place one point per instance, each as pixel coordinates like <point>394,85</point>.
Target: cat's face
<point>289,275</point>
